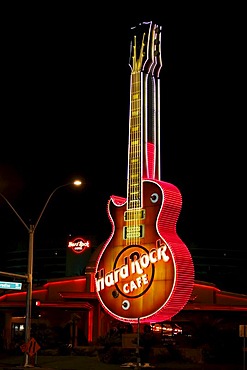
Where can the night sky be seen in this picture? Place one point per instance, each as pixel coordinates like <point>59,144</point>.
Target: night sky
<point>64,114</point>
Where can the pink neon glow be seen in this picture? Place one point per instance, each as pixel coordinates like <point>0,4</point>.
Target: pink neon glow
<point>151,160</point>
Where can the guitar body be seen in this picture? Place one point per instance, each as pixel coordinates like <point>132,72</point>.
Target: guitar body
<point>153,265</point>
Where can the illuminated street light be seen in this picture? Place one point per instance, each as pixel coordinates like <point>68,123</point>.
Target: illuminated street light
<point>29,276</point>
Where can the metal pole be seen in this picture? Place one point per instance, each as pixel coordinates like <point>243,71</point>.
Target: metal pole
<point>29,293</point>
<point>29,275</point>
<point>244,355</point>
<point>138,359</point>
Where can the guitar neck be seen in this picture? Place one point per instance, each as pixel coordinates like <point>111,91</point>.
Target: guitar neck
<point>144,147</point>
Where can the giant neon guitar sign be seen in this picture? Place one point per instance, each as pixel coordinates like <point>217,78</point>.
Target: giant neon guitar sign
<point>144,271</point>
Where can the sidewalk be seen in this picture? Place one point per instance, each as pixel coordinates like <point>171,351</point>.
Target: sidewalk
<point>68,362</point>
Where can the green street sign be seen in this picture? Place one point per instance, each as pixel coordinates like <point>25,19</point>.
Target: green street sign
<point>10,285</point>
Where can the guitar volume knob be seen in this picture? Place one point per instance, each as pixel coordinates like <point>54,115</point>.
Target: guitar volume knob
<point>115,294</point>
<point>126,305</point>
<point>154,198</point>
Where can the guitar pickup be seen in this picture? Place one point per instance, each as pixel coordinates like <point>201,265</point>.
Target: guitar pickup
<point>136,214</point>
<point>130,232</point>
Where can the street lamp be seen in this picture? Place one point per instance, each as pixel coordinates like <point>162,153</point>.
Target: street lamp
<point>29,276</point>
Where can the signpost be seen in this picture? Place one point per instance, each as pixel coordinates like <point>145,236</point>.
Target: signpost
<point>31,348</point>
<point>243,334</point>
<point>10,285</point>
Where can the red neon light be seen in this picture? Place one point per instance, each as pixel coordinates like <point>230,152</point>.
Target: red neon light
<point>62,282</point>
<point>78,245</point>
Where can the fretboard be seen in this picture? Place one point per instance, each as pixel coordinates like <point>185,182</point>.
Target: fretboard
<point>135,144</point>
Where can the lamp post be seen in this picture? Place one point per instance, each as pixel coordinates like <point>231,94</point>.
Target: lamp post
<point>29,276</point>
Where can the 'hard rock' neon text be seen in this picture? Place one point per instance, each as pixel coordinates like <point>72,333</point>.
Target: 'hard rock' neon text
<point>133,264</point>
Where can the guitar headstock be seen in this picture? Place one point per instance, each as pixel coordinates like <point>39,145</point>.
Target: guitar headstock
<point>157,51</point>
<point>145,52</point>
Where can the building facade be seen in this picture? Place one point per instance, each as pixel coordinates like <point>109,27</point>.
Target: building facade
<point>70,310</point>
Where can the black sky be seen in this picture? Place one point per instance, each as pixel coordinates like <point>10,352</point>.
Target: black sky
<point>64,113</point>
